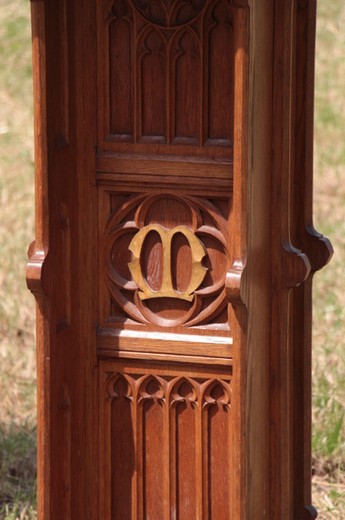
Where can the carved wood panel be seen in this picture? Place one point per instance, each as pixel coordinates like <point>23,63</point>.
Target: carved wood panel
<point>165,258</point>
<point>166,432</point>
<point>150,177</point>
<point>166,74</point>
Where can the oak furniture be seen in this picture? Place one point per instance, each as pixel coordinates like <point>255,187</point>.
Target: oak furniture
<point>173,259</point>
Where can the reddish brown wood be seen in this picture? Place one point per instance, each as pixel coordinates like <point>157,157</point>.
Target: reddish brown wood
<point>173,258</point>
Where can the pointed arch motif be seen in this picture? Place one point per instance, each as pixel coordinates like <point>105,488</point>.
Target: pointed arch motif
<point>185,81</point>
<point>184,417</point>
<point>152,88</point>
<point>122,443</point>
<point>217,424</point>
<point>163,430</point>
<point>152,436</point>
<point>218,73</point>
<point>120,71</point>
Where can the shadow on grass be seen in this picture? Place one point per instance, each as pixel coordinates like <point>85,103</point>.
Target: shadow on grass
<point>17,472</point>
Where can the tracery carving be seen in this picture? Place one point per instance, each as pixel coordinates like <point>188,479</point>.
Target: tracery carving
<point>169,13</point>
<point>152,389</point>
<point>120,387</point>
<point>170,390</point>
<point>120,32</point>
<point>216,394</point>
<point>154,49</point>
<point>184,391</point>
<point>168,427</point>
<point>185,87</point>
<point>152,69</point>
<point>182,259</point>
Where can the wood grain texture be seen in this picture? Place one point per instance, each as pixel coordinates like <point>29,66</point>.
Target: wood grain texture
<point>291,364</point>
<point>172,423</point>
<point>146,292</point>
<point>166,76</point>
<point>218,74</point>
<point>121,82</point>
<point>317,247</point>
<point>173,259</point>
<point>238,256</point>
<point>37,262</point>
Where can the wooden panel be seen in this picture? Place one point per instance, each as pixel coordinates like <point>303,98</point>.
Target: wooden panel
<point>217,426</point>
<point>151,449</point>
<point>152,67</point>
<point>184,449</point>
<point>259,270</point>
<point>122,453</point>
<point>219,42</point>
<point>166,76</point>
<point>163,264</point>
<point>133,297</point>
<point>63,237</point>
<point>185,84</point>
<point>120,94</point>
<point>163,429</point>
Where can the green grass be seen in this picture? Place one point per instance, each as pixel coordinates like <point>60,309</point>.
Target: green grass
<point>17,350</point>
<point>329,297</point>
<point>17,342</point>
<point>329,285</point>
<point>17,473</point>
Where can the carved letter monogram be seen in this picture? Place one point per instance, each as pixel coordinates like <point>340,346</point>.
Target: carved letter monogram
<point>166,257</point>
<point>167,289</point>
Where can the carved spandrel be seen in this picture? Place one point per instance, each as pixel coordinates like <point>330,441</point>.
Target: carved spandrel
<point>175,275</point>
<point>169,13</point>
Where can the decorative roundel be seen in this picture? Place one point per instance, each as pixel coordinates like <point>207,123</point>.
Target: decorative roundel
<point>169,13</point>
<point>166,259</point>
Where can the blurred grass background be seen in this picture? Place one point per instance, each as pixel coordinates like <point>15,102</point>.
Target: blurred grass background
<point>17,309</point>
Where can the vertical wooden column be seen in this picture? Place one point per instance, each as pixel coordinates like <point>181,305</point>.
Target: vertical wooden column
<point>235,278</point>
<point>317,248</point>
<point>301,252</point>
<point>37,254</point>
<point>173,258</point>
<point>64,87</point>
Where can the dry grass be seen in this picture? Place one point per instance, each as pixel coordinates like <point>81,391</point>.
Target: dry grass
<point>17,354</point>
<point>329,294</point>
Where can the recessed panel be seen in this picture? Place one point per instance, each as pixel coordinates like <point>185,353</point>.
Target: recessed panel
<point>164,261</point>
<point>166,75</point>
<point>168,426</point>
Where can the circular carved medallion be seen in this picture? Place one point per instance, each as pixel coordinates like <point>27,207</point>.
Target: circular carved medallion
<point>166,258</point>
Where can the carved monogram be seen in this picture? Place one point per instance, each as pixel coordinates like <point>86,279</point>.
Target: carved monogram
<point>183,258</point>
<point>167,290</point>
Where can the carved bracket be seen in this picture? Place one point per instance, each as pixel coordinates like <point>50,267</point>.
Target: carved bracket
<point>35,270</point>
<point>310,513</point>
<point>296,266</point>
<point>318,248</point>
<point>235,283</point>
